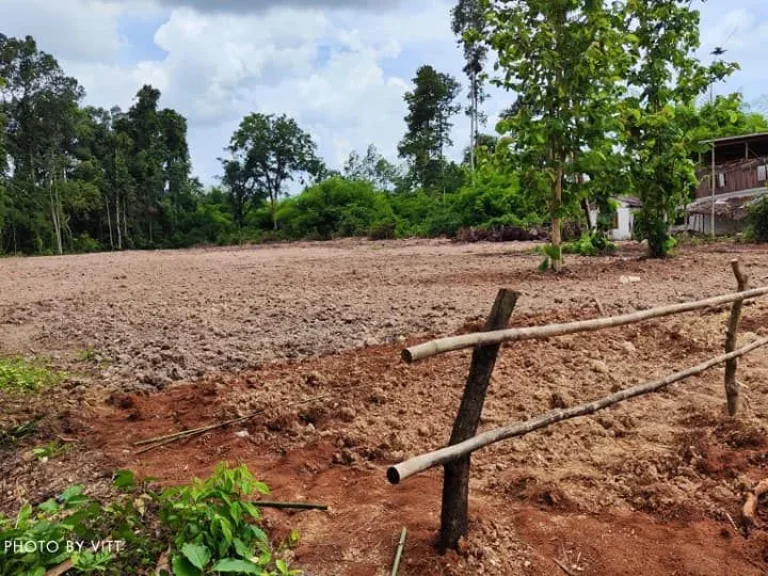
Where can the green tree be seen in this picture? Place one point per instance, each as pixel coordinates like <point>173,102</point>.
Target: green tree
<point>3,170</point>
<point>40,104</point>
<point>664,80</point>
<point>431,105</point>
<point>468,23</point>
<point>725,116</point>
<point>565,59</point>
<point>373,168</point>
<point>266,152</point>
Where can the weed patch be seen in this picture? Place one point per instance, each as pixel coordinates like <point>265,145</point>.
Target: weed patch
<point>18,374</point>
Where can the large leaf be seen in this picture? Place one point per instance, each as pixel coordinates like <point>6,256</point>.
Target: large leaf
<point>124,479</point>
<point>233,565</point>
<point>183,567</point>
<point>197,554</point>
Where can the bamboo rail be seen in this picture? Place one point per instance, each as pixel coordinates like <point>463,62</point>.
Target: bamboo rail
<point>450,344</point>
<point>400,472</point>
<point>399,553</point>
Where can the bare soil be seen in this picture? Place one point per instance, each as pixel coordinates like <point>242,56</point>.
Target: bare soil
<point>645,488</point>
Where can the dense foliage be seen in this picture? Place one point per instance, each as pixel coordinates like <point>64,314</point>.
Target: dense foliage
<point>758,220</point>
<point>604,101</point>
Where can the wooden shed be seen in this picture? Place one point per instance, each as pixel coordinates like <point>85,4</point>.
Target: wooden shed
<point>739,165</point>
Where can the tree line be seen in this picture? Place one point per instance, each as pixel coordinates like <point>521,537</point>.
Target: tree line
<point>603,102</point>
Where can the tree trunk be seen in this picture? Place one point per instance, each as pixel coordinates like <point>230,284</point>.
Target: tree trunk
<point>117,222</point>
<point>473,124</point>
<point>54,210</point>
<point>557,201</point>
<point>273,208</point>
<point>109,223</point>
<point>125,220</point>
<point>585,207</point>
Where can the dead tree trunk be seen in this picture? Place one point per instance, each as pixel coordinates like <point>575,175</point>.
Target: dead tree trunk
<point>731,385</point>
<point>455,508</point>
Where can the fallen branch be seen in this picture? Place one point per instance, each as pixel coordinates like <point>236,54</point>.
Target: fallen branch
<point>170,438</point>
<point>563,567</point>
<point>749,512</point>
<point>404,470</point>
<point>730,519</point>
<point>453,343</point>
<point>399,554</point>
<point>62,568</point>
<point>290,505</point>
<point>599,305</point>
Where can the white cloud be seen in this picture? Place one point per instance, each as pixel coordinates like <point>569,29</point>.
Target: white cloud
<point>75,30</point>
<point>257,6</point>
<point>341,73</point>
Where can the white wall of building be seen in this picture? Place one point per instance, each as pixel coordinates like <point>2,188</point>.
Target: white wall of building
<point>625,222</point>
<point>700,224</point>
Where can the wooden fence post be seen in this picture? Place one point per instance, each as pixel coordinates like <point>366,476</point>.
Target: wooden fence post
<point>731,385</point>
<point>455,508</point>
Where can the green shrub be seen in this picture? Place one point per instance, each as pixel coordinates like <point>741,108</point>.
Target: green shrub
<point>17,374</point>
<point>335,207</point>
<point>758,221</point>
<point>383,230</point>
<point>590,245</point>
<point>84,244</point>
<point>210,526</point>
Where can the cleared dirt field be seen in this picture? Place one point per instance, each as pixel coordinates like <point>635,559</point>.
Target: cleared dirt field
<point>644,488</point>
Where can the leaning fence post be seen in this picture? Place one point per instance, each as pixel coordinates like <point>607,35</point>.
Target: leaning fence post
<point>731,385</point>
<point>455,508</point>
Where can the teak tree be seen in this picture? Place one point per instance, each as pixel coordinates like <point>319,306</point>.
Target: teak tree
<point>565,59</point>
<point>665,78</point>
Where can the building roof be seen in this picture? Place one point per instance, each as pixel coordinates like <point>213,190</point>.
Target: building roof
<point>630,201</point>
<point>736,139</point>
<point>733,205</point>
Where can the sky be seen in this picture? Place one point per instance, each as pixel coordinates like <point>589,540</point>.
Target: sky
<point>339,67</point>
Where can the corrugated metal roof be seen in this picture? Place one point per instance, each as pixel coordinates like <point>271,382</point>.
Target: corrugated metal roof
<point>732,205</point>
<point>736,138</point>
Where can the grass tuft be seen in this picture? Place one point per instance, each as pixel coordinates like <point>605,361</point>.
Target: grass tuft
<point>18,374</point>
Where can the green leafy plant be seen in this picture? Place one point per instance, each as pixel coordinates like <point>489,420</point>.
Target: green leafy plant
<point>12,434</point>
<point>215,526</point>
<point>18,374</point>
<point>590,245</point>
<point>48,451</point>
<point>209,526</point>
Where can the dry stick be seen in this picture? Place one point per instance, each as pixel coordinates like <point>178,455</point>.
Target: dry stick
<point>563,567</point>
<point>454,512</point>
<point>404,470</point>
<point>453,343</point>
<point>290,505</point>
<point>749,512</point>
<point>164,440</point>
<point>62,568</point>
<point>731,385</point>
<point>599,306</point>
<point>399,554</point>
